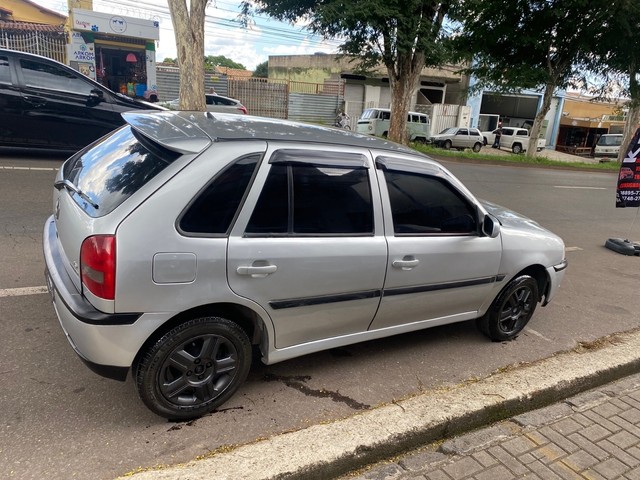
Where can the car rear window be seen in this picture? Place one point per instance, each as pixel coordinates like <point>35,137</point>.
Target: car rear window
<point>115,168</point>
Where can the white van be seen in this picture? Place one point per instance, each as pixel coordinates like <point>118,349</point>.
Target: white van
<point>608,145</point>
<point>375,121</point>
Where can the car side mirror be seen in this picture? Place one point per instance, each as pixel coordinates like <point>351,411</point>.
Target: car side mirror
<point>95,97</point>
<point>490,226</point>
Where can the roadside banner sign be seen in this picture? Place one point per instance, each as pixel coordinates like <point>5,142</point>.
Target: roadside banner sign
<point>628,191</point>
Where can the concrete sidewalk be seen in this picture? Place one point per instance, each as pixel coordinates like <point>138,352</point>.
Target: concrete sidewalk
<point>333,449</point>
<point>593,435</point>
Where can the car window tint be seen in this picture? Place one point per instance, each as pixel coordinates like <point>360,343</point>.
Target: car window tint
<point>421,204</point>
<point>271,213</point>
<point>43,75</point>
<point>321,201</point>
<point>5,73</point>
<point>224,101</point>
<point>114,169</point>
<point>215,207</point>
<point>463,131</point>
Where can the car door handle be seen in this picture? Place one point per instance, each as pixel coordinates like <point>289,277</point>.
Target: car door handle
<point>257,271</point>
<point>406,263</point>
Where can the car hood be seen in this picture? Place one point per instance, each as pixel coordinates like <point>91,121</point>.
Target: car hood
<point>509,218</point>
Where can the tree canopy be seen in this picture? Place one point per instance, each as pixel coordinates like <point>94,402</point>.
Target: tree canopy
<point>528,44</point>
<point>403,35</point>
<point>262,70</point>
<point>211,61</point>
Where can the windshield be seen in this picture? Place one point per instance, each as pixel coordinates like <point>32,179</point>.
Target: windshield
<point>447,131</point>
<point>610,141</point>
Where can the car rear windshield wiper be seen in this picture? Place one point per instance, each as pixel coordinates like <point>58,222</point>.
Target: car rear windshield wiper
<point>68,184</point>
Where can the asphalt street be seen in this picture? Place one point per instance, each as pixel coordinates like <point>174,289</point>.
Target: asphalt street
<point>59,420</point>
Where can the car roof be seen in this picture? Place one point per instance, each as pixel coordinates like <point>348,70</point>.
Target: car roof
<point>190,132</point>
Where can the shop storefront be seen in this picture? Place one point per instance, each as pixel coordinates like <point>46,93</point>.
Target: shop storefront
<point>119,52</point>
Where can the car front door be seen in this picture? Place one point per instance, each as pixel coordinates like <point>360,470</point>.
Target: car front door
<point>13,127</point>
<point>309,246</point>
<point>441,268</point>
<point>62,110</point>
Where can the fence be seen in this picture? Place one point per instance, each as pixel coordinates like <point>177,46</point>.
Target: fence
<point>52,45</point>
<point>300,101</point>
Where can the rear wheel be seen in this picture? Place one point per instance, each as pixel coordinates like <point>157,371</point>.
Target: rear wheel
<point>476,147</point>
<point>193,368</point>
<point>517,148</point>
<point>511,310</point>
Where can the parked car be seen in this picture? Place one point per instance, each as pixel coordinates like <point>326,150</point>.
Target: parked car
<point>608,145</point>
<point>215,103</point>
<point>47,105</point>
<point>376,121</point>
<point>460,138</point>
<point>517,140</point>
<point>181,240</point>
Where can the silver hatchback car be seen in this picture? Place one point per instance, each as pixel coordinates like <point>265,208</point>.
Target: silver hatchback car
<point>183,239</point>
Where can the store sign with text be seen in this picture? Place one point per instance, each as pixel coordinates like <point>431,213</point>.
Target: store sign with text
<point>88,20</point>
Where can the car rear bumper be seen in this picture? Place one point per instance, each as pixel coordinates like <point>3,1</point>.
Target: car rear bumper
<point>107,343</point>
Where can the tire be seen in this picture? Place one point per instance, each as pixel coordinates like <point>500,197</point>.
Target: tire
<point>193,368</point>
<point>476,147</point>
<point>447,145</point>
<point>485,141</point>
<point>385,134</point>
<point>511,310</point>
<point>517,148</point>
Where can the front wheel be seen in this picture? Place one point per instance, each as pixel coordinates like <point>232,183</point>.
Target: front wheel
<point>477,147</point>
<point>193,368</point>
<point>511,310</point>
<point>447,145</point>
<point>517,148</point>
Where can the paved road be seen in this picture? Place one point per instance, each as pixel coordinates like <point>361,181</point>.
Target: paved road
<point>594,435</point>
<point>58,420</point>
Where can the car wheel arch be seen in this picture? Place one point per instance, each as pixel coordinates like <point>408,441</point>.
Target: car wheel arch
<point>249,320</point>
<point>539,273</point>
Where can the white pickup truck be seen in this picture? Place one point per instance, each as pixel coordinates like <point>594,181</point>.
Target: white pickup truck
<point>517,139</point>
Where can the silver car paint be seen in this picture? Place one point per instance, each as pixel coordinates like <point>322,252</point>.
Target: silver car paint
<point>143,232</point>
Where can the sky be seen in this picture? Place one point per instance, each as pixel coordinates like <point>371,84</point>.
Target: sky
<point>224,34</point>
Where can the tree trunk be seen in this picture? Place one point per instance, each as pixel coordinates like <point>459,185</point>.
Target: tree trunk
<point>188,26</point>
<point>633,116</point>
<point>532,149</point>
<point>403,77</point>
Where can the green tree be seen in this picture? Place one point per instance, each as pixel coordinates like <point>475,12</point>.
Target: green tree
<point>211,61</point>
<point>262,70</point>
<point>170,60</point>
<point>616,58</point>
<point>403,35</point>
<point>188,26</point>
<point>528,44</point>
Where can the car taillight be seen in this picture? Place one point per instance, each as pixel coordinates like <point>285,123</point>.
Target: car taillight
<point>243,109</point>
<point>98,265</point>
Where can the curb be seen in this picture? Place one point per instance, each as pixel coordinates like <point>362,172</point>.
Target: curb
<point>333,449</point>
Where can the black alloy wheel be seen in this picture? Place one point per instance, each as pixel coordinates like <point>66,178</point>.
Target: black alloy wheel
<point>511,310</point>
<point>194,368</point>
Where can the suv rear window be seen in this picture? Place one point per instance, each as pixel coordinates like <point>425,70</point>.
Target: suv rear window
<point>114,169</point>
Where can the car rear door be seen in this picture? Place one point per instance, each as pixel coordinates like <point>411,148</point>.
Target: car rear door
<point>441,269</point>
<point>60,108</point>
<point>308,245</point>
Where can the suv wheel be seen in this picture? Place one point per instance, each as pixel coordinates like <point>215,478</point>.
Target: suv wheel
<point>193,368</point>
<point>511,310</point>
<point>516,148</point>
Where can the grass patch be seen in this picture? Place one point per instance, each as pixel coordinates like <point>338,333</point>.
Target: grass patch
<point>512,158</point>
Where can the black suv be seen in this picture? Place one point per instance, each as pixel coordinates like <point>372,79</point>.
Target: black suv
<point>47,105</point>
